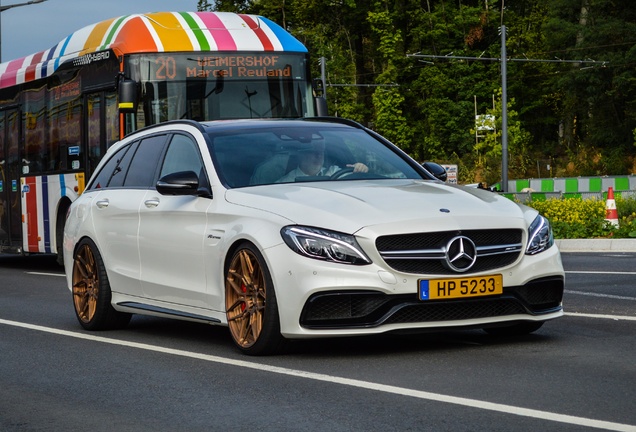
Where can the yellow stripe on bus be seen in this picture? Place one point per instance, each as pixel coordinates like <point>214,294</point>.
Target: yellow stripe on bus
<point>171,33</point>
<point>80,183</point>
<point>96,37</point>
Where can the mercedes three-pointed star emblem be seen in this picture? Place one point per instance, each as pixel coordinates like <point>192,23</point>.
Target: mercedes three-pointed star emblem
<point>461,254</point>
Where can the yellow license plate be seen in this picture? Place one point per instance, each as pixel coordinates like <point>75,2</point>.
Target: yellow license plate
<point>442,289</point>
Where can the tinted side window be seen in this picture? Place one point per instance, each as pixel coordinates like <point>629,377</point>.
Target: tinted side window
<point>112,169</point>
<point>143,167</point>
<point>182,155</point>
<point>119,175</point>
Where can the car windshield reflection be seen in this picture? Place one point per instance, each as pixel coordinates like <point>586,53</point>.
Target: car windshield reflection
<point>271,154</point>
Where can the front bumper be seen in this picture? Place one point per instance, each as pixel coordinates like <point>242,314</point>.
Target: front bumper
<point>368,309</point>
<point>319,299</point>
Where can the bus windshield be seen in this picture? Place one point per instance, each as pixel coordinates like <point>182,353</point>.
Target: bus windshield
<point>212,86</point>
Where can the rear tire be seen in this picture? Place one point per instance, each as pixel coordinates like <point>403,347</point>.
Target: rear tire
<point>250,303</point>
<point>518,329</point>
<point>91,291</point>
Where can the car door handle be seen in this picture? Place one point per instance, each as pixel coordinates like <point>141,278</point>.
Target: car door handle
<point>154,202</point>
<point>102,203</point>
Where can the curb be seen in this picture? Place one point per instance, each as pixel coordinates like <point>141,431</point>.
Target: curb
<point>596,245</point>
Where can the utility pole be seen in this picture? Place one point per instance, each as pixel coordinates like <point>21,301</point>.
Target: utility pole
<point>504,113</point>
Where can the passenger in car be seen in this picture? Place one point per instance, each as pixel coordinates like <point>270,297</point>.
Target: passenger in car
<point>311,163</point>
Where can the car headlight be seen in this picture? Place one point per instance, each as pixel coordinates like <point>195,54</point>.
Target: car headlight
<point>324,245</point>
<point>540,236</point>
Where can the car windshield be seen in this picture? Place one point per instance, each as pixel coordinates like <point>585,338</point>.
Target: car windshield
<point>305,152</point>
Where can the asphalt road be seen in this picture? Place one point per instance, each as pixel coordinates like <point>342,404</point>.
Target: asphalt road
<point>576,373</point>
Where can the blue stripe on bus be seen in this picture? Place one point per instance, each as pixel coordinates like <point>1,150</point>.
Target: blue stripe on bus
<point>288,42</point>
<point>51,53</point>
<point>64,46</point>
<point>45,214</point>
<point>62,185</point>
<point>44,66</point>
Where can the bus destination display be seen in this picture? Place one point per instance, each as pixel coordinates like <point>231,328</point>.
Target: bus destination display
<point>168,67</point>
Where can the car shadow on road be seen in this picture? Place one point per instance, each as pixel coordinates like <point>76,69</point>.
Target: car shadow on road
<point>211,339</point>
<point>417,342</point>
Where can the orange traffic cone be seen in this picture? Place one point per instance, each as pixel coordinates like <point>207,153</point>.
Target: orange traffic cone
<point>611,214</point>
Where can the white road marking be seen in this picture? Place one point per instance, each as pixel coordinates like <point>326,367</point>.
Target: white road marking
<point>436,397</point>
<point>611,296</point>
<point>600,272</point>
<point>612,317</point>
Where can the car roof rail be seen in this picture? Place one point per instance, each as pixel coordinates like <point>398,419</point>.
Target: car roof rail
<point>340,120</point>
<point>169,122</point>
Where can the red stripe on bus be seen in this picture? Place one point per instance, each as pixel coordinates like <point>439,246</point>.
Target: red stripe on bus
<point>267,44</point>
<point>31,219</point>
<point>30,70</point>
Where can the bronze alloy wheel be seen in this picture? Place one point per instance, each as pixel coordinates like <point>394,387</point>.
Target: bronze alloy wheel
<point>250,303</point>
<point>85,284</point>
<point>91,291</point>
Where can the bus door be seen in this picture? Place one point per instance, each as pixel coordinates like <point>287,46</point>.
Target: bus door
<point>102,126</point>
<point>10,165</point>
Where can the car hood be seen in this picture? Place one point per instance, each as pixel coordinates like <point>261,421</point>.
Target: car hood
<point>402,205</point>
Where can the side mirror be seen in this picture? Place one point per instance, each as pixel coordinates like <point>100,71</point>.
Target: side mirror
<point>179,183</point>
<point>437,170</point>
<point>321,106</point>
<point>127,93</point>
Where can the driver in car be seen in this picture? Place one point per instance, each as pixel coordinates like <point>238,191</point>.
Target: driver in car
<point>311,161</point>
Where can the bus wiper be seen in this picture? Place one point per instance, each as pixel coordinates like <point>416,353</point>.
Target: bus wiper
<point>249,95</point>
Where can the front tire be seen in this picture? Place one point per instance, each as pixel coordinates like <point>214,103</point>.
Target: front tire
<point>250,303</point>
<point>91,291</point>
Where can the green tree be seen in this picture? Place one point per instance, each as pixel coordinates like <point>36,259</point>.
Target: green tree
<point>596,104</point>
<point>388,100</point>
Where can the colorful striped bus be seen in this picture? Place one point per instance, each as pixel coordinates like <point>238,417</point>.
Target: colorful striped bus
<point>61,108</point>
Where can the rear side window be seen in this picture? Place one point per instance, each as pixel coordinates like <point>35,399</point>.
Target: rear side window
<point>133,166</point>
<point>111,172</point>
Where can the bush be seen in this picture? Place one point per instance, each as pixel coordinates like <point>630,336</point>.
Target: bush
<point>574,218</point>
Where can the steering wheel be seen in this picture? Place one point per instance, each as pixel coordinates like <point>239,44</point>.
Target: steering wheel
<point>341,173</point>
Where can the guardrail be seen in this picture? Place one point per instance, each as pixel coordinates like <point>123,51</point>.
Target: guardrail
<point>574,185</point>
<point>528,196</point>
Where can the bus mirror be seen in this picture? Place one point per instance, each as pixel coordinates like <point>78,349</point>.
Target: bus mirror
<point>320,97</point>
<point>321,107</point>
<point>318,87</point>
<point>127,95</point>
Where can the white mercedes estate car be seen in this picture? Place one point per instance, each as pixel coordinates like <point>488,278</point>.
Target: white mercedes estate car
<point>288,229</point>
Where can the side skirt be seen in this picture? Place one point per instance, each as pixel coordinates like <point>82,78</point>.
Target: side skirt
<point>141,308</point>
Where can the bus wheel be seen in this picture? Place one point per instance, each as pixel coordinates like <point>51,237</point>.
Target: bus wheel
<point>250,303</point>
<point>91,291</point>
